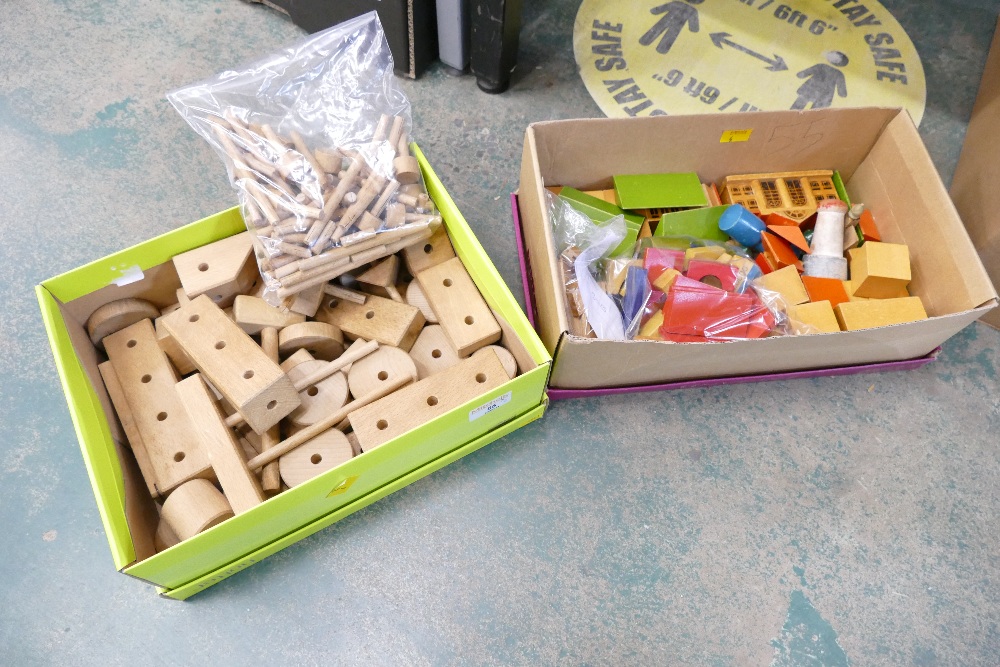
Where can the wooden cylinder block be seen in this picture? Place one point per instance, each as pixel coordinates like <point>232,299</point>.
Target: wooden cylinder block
<point>324,452</point>
<point>117,315</point>
<point>323,340</point>
<point>320,399</point>
<point>407,169</point>
<point>506,358</point>
<point>194,507</point>
<point>383,366</point>
<point>415,297</point>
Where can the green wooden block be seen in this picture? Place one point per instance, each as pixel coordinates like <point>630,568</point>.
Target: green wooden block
<point>701,223</point>
<point>596,209</point>
<point>681,190</point>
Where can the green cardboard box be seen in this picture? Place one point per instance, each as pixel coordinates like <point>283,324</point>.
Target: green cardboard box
<point>130,515</point>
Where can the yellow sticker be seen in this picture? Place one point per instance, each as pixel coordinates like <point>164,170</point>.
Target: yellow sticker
<point>342,487</point>
<point>652,57</point>
<point>733,136</point>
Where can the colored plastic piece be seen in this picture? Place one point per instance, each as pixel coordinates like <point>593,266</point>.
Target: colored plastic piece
<point>699,223</point>
<point>726,275</point>
<point>779,252</point>
<point>680,190</point>
<point>790,233</point>
<point>742,226</point>
<point>879,270</point>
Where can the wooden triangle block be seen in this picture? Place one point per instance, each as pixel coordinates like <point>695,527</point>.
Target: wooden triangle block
<point>780,252</point>
<point>791,234</point>
<point>382,274</point>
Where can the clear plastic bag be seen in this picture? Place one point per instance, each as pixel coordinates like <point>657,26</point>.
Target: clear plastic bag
<point>315,141</point>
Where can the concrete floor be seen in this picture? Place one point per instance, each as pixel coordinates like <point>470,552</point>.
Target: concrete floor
<point>834,521</point>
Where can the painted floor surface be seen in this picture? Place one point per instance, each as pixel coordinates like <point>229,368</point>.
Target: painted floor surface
<point>833,521</point>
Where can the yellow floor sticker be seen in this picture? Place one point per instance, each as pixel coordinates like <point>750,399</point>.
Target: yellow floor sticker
<point>698,56</point>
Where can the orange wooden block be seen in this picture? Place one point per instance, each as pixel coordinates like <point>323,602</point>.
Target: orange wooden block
<point>868,229</point>
<point>792,234</point>
<point>825,289</point>
<point>779,252</point>
<point>778,220</point>
<point>763,264</point>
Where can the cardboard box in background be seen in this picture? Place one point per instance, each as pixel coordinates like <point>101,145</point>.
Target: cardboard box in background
<point>883,163</point>
<point>128,512</point>
<point>978,173</point>
<point>410,25</point>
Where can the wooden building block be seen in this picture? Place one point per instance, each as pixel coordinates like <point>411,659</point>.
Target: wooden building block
<point>666,279</point>
<point>253,314</point>
<point>780,252</point>
<point>174,352</point>
<point>432,352</point>
<point>422,401</point>
<point>651,329</point>
<point>384,320</point>
<point>763,264</point>
<point>787,283</point>
<point>878,269</point>
<point>322,340</point>
<point>270,476</point>
<point>382,274</point>
<point>855,315</point>
<point>436,249</point>
<point>813,317</point>
<point>117,315</point>
<point>869,232</point>
<point>307,301</point>
<point>221,269</point>
<point>415,297</point>
<point>318,399</point>
<point>708,252</point>
<point>235,365</point>
<point>504,355</point>
<point>825,289</point>
<point>166,446</point>
<point>716,274</point>
<point>385,365</point>
<point>240,485</point>
<point>325,452</point>
<point>193,508</point>
<point>461,310</point>
<point>790,233</point>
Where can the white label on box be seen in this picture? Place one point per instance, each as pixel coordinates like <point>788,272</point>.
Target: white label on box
<point>487,408</point>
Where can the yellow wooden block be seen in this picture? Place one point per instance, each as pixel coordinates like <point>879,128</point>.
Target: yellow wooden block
<point>666,279</point>
<point>616,271</point>
<point>855,315</point>
<point>785,282</point>
<point>812,318</point>
<point>651,329</point>
<point>709,252</point>
<point>878,270</point>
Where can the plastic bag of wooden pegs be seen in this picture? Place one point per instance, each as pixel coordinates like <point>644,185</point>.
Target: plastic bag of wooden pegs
<point>315,141</point>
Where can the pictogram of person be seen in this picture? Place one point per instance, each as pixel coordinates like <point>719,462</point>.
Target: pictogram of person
<point>676,15</point>
<point>822,81</point>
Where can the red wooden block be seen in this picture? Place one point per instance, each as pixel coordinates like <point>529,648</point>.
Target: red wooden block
<point>663,257</point>
<point>763,264</point>
<point>868,229</point>
<point>698,311</point>
<point>726,274</point>
<point>779,252</point>
<point>825,289</point>
<point>793,235</point>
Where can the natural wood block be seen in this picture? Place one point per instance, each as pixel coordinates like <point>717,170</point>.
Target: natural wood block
<point>855,315</point>
<point>425,400</point>
<point>307,301</point>
<point>384,320</point>
<point>175,353</point>
<point>382,274</point>
<point>813,317</point>
<point>415,297</point>
<point>461,310</point>
<point>503,354</point>
<point>324,452</point>
<point>240,485</point>
<point>300,356</point>
<point>320,398</point>
<point>235,365</point>
<point>432,352</point>
<point>785,282</point>
<point>320,339</point>
<point>825,289</point>
<point>117,315</point>
<point>385,365</point>
<point>878,270</point>
<point>221,269</point>
<point>421,256</point>
<point>194,507</point>
<point>253,314</point>
<point>142,389</point>
<point>270,477</point>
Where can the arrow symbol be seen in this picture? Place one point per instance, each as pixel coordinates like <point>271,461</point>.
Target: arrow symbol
<point>721,39</point>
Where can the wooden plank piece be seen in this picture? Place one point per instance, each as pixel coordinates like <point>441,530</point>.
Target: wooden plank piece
<point>221,269</point>
<point>253,314</point>
<point>384,320</point>
<point>461,310</point>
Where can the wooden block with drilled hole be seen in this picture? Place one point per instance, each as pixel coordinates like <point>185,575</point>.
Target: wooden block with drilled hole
<point>461,310</point>
<point>194,507</point>
<point>432,352</point>
<point>324,452</point>
<point>422,256</point>
<point>386,364</point>
<point>855,315</point>
<point>320,399</point>
<point>322,340</point>
<point>252,315</point>
<point>117,315</point>
<point>506,358</point>
<point>813,317</point>
<point>233,362</point>
<point>220,270</point>
<point>418,403</point>
<point>167,449</point>
<point>384,320</point>
<point>415,297</point>
<point>238,482</point>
